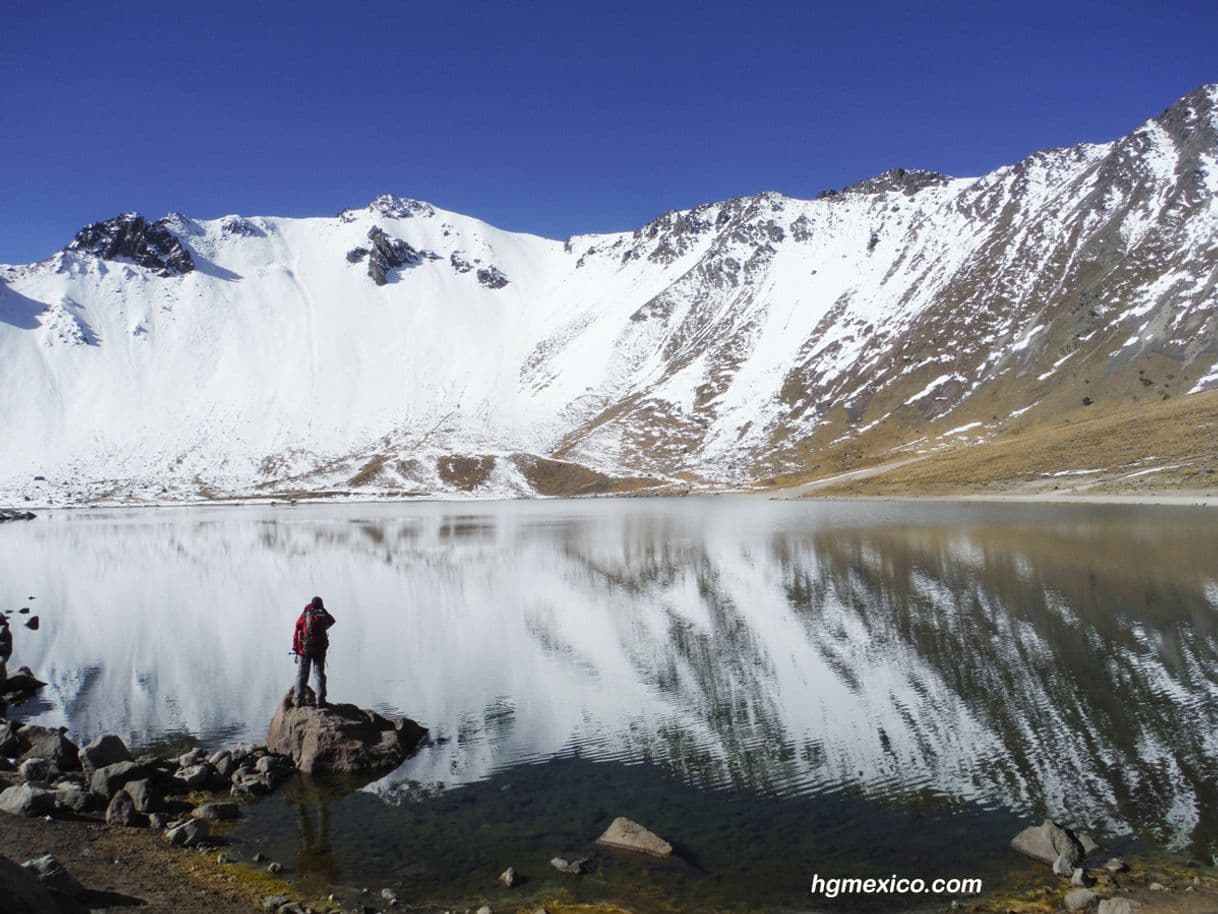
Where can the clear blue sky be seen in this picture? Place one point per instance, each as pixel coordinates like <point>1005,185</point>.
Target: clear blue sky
<point>554,118</point>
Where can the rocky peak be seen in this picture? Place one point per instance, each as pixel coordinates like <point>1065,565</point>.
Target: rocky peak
<point>131,237</point>
<point>905,180</point>
<point>391,207</point>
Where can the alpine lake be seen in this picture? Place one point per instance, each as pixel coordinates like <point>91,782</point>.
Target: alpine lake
<point>780,688</point>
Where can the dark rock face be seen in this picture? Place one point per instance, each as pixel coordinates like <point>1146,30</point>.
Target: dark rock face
<point>459,263</point>
<point>241,227</point>
<point>340,739</point>
<point>131,237</point>
<point>492,278</point>
<point>25,890</point>
<point>388,254</point>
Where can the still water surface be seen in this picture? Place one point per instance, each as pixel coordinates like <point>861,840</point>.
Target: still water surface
<point>780,688</point>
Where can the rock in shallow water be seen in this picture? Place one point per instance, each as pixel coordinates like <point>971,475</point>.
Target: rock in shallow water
<point>1049,841</point>
<point>629,835</point>
<point>341,739</point>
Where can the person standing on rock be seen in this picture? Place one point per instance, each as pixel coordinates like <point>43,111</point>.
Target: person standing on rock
<point>6,651</point>
<point>309,644</point>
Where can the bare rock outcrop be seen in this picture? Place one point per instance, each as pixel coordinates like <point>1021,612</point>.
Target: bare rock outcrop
<point>341,739</point>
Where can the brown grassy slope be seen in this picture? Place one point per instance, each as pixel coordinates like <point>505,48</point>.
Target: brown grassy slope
<point>1176,438</point>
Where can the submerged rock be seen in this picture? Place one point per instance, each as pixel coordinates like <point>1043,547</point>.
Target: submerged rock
<point>575,867</point>
<point>340,739</point>
<point>628,835</point>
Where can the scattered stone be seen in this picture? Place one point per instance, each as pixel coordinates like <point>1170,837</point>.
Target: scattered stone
<point>215,812</point>
<point>342,739</point>
<point>390,896</point>
<point>103,751</point>
<point>1063,866</point>
<point>507,878</point>
<point>1116,865</point>
<point>1081,879</point>
<point>71,797</point>
<point>1081,899</point>
<point>158,820</point>
<point>27,800</point>
<point>246,782</point>
<point>485,909</point>
<point>121,811</point>
<point>1157,887</point>
<point>629,835</point>
<point>223,859</point>
<point>259,857</point>
<point>32,623</point>
<point>1119,906</point>
<point>574,867</point>
<point>274,902</point>
<point>147,799</point>
<point>188,834</point>
<point>274,868</point>
<point>1049,841</point>
<point>196,777</point>
<point>35,769</point>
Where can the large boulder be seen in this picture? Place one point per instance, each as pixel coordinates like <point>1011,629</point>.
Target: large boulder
<point>52,745</point>
<point>1050,841</point>
<point>103,751</point>
<point>27,800</point>
<point>341,739</point>
<point>627,835</point>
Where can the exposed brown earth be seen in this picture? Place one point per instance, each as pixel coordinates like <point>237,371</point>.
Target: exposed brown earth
<point>1165,447</point>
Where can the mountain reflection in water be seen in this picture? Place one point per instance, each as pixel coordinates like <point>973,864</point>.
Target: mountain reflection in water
<point>1036,659</point>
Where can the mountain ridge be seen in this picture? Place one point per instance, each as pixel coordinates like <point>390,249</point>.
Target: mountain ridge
<point>401,349</point>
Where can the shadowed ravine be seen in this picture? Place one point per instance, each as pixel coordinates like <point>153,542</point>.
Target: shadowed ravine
<point>809,687</point>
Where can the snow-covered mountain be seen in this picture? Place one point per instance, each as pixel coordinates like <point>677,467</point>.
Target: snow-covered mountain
<point>400,349</point>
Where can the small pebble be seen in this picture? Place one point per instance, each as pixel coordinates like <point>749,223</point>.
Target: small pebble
<point>259,857</point>
<point>1156,887</point>
<point>223,859</point>
<point>274,867</point>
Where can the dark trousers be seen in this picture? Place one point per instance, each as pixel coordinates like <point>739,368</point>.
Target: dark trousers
<point>318,663</point>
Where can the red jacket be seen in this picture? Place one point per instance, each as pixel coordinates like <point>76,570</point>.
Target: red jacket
<point>309,637</point>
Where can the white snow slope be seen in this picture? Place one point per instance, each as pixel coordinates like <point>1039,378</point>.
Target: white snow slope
<point>717,345</point>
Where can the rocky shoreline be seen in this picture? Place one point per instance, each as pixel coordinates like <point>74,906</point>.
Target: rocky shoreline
<point>162,820</point>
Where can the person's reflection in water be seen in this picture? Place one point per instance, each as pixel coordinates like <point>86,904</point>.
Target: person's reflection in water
<point>316,859</point>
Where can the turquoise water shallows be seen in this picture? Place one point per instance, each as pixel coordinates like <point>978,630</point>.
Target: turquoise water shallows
<point>781,689</point>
